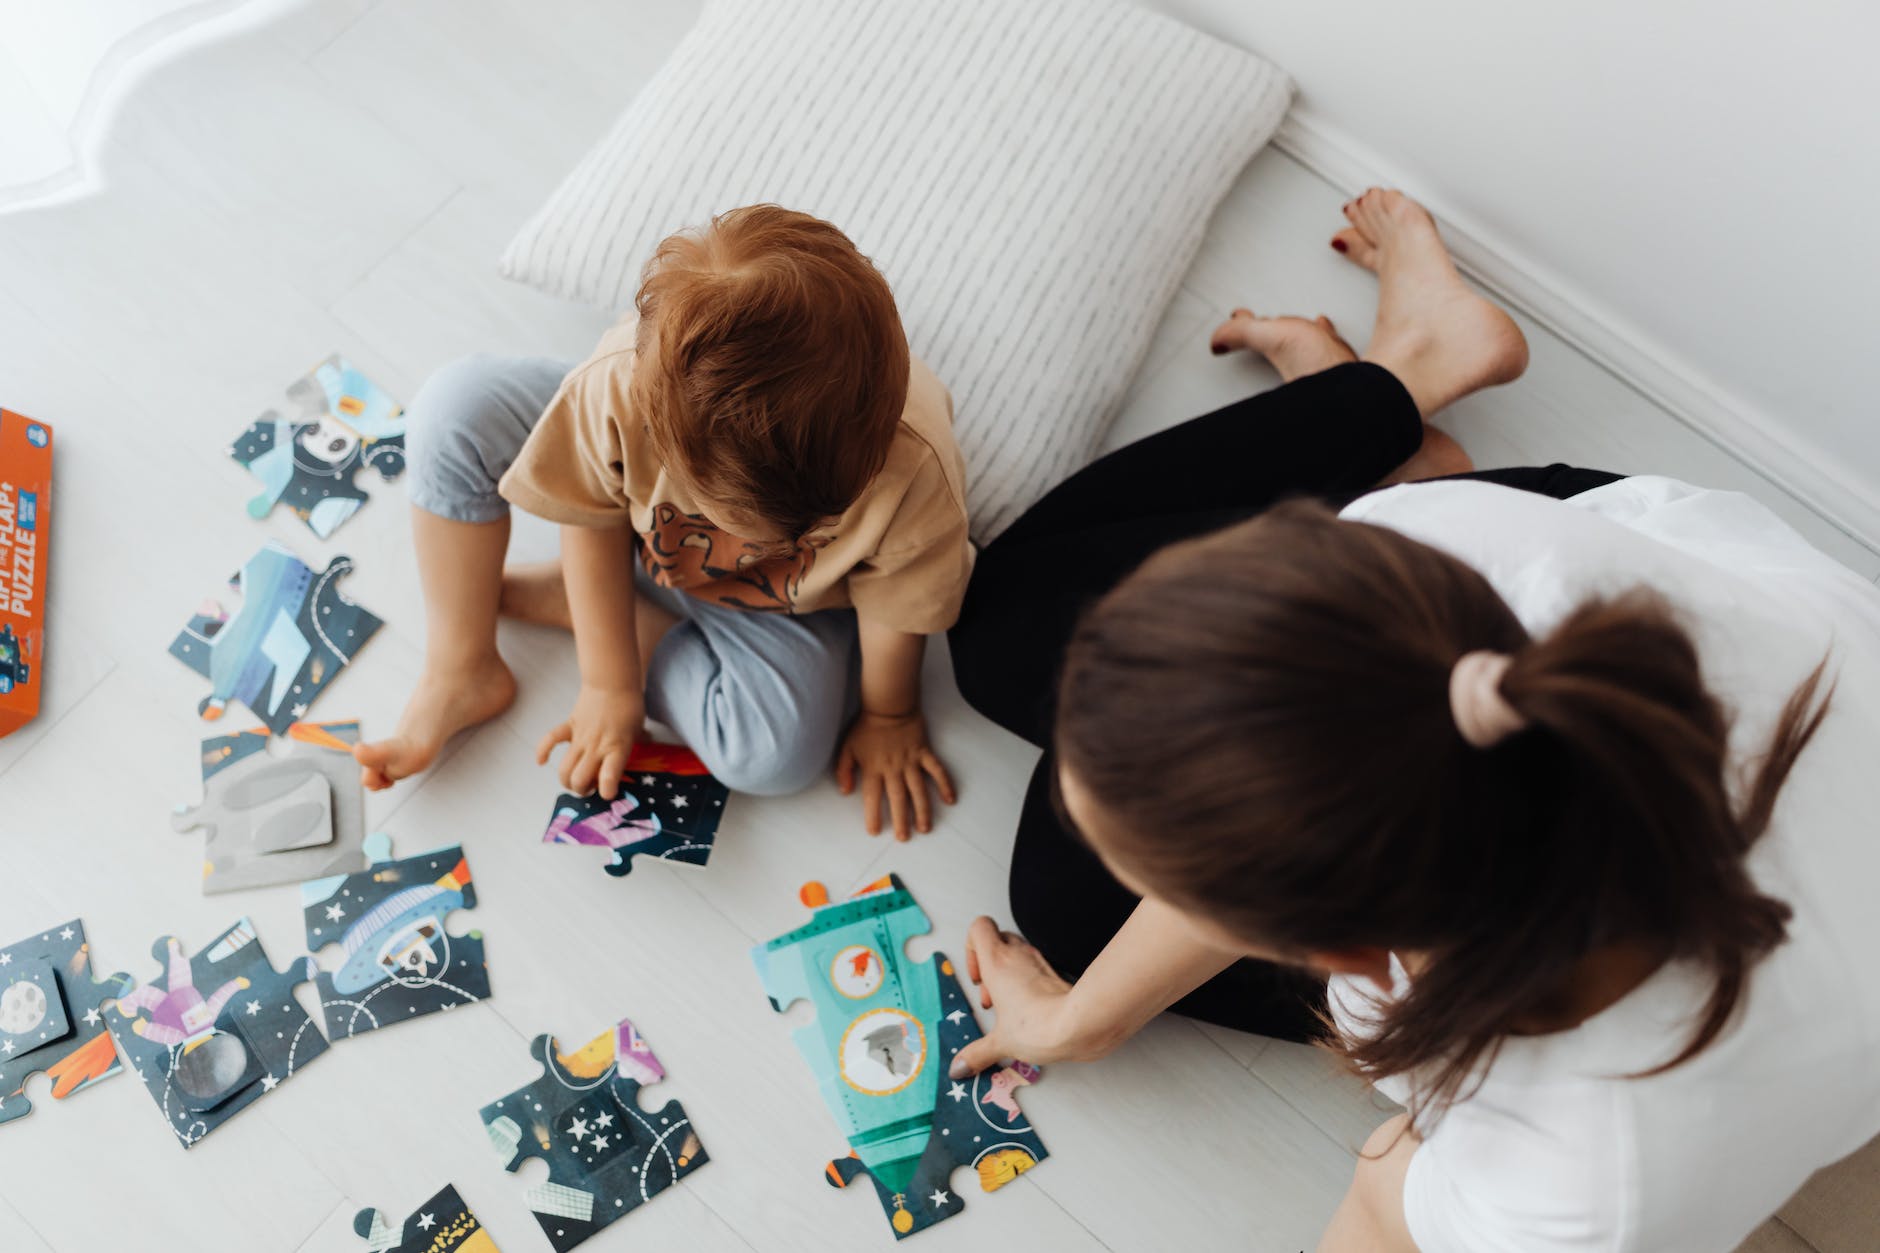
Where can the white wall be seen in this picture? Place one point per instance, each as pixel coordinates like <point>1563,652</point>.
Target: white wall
<point>1702,177</point>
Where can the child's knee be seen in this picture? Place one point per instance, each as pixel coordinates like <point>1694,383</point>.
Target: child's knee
<point>461,436</point>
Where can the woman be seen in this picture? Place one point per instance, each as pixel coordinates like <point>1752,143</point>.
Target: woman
<point>1565,788</point>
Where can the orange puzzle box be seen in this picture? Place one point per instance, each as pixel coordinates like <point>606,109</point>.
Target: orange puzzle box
<point>25,514</point>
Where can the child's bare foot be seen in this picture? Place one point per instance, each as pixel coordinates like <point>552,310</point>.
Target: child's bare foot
<point>1433,332</point>
<point>536,593</point>
<point>447,700</point>
<point>1296,346</point>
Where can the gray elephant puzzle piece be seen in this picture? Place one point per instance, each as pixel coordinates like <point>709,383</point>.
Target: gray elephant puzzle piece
<point>278,819</point>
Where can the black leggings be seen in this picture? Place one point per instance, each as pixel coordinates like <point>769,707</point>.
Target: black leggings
<point>1331,435</point>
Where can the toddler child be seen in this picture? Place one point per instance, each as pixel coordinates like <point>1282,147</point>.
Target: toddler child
<point>756,482</point>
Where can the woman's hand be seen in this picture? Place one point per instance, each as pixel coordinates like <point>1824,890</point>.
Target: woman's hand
<point>894,760</point>
<point>1036,1015</point>
<point>600,734</point>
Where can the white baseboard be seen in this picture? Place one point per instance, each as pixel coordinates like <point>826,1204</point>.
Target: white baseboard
<point>1740,428</point>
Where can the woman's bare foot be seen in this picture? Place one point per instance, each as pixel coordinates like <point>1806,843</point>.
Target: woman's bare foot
<point>1433,332</point>
<point>1296,346</point>
<point>447,700</point>
<point>536,593</point>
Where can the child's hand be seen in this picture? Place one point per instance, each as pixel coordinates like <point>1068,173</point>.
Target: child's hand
<point>892,754</point>
<point>600,734</point>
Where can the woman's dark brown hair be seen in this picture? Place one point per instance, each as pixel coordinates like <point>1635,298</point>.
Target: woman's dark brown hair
<point>1264,717</point>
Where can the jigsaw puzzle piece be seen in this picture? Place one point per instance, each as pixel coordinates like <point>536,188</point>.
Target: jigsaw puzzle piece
<point>605,1155</point>
<point>342,423</point>
<point>443,1224</point>
<point>669,807</point>
<point>291,636</point>
<point>398,961</point>
<point>215,1032</point>
<point>278,819</point>
<point>884,1032</point>
<point>52,1017</point>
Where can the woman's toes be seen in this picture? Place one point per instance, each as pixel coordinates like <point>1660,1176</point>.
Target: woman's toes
<point>1232,335</point>
<point>1351,244</point>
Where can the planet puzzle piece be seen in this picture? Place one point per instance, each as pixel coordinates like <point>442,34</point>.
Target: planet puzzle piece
<point>669,807</point>
<point>309,459</point>
<point>292,635</point>
<point>884,1032</point>
<point>278,819</point>
<point>52,1017</point>
<point>605,1155</point>
<point>443,1224</point>
<point>216,1031</point>
<point>397,960</point>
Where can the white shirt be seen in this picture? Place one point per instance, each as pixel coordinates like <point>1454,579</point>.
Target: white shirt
<point>1557,1150</point>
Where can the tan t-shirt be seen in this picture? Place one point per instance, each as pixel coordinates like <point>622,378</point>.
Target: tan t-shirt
<point>900,555</point>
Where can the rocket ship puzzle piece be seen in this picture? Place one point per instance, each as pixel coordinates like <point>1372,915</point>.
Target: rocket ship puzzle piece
<point>605,1154</point>
<point>309,459</point>
<point>52,1017</point>
<point>884,1032</point>
<point>292,635</point>
<point>398,961</point>
<point>273,819</point>
<point>216,1031</point>
<point>669,807</point>
<point>443,1224</point>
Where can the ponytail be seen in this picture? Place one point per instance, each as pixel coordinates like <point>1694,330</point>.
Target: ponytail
<point>1268,717</point>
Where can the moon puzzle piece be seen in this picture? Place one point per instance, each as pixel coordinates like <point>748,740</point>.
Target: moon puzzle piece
<point>292,635</point>
<point>338,423</point>
<point>605,1155</point>
<point>443,1224</point>
<point>216,1031</point>
<point>884,1032</point>
<point>278,819</point>
<point>669,807</point>
<point>397,960</point>
<point>52,1017</point>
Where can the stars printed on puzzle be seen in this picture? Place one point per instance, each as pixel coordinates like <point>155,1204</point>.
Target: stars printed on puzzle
<point>939,1198</point>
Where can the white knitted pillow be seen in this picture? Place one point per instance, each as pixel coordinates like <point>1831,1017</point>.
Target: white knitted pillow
<point>1033,177</point>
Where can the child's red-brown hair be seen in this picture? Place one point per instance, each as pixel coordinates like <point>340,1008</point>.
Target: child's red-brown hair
<point>772,368</point>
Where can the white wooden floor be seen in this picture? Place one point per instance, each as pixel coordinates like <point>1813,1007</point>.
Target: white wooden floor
<point>344,181</point>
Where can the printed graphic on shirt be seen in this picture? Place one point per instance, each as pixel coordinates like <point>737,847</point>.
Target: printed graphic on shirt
<point>685,551</point>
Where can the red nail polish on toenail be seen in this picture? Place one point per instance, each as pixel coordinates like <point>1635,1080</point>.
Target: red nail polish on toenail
<point>1217,350</point>
<point>1339,244</point>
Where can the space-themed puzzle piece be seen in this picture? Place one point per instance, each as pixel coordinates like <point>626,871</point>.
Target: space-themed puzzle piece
<point>216,1031</point>
<point>292,635</point>
<point>669,807</point>
<point>278,819</point>
<point>885,1030</point>
<point>397,960</point>
<point>52,1017</point>
<point>338,422</point>
<point>443,1224</point>
<point>605,1154</point>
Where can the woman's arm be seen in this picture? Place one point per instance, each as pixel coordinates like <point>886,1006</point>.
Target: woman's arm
<point>1371,1220</point>
<point>1151,963</point>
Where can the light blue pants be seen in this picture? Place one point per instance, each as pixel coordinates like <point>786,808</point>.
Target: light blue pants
<point>762,698</point>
